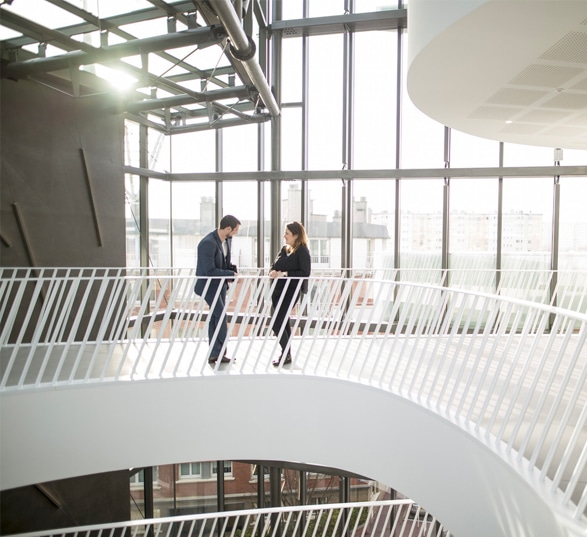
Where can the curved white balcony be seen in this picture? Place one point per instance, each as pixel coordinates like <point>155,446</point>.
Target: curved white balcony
<point>472,404</point>
<point>387,518</point>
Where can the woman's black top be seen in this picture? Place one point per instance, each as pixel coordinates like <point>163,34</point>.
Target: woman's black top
<point>298,264</point>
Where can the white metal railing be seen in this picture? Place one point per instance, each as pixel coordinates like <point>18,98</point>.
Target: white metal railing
<point>389,518</point>
<point>511,372</point>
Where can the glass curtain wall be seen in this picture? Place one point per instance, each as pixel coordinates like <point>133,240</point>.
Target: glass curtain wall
<point>374,125</point>
<point>313,138</point>
<point>240,153</point>
<point>497,232</point>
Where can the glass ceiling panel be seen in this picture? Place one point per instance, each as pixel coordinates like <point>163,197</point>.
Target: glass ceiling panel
<point>50,50</point>
<point>186,54</point>
<point>135,61</point>
<point>147,28</point>
<point>90,38</point>
<point>110,8</point>
<point>117,78</point>
<point>7,33</point>
<point>206,58</point>
<point>160,67</point>
<point>90,6</point>
<point>43,13</point>
<point>366,6</point>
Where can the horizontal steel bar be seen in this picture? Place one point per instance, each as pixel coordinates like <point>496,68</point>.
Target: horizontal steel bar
<point>179,100</point>
<point>387,19</point>
<point>424,173</point>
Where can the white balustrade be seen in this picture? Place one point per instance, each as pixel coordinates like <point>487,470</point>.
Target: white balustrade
<point>388,518</point>
<point>511,372</point>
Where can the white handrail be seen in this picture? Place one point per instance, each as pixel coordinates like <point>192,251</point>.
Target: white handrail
<point>511,372</point>
<point>400,518</point>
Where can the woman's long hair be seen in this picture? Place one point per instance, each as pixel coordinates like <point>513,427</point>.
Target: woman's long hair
<point>302,239</point>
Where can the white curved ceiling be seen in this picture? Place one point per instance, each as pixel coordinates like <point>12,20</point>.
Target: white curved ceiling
<point>513,71</point>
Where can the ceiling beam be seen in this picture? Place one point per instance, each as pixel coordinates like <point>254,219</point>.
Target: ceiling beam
<point>61,37</point>
<point>200,36</point>
<point>387,19</point>
<point>179,100</point>
<point>90,23</point>
<point>38,33</point>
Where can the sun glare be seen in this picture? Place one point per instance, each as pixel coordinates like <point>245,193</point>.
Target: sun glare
<point>118,79</point>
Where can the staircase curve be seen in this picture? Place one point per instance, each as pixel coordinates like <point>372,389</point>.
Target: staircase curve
<point>472,404</point>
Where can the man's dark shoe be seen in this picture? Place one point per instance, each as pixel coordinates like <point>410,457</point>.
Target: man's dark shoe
<point>223,360</point>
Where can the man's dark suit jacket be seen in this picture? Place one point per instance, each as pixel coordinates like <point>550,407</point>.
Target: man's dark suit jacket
<point>211,262</point>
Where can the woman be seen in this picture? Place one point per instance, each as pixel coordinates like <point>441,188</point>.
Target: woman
<point>292,263</point>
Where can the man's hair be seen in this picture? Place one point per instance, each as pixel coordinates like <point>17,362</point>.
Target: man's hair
<point>229,221</point>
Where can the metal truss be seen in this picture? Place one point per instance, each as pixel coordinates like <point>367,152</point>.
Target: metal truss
<point>191,94</point>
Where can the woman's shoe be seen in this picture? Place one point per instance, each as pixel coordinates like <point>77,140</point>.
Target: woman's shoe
<point>282,360</point>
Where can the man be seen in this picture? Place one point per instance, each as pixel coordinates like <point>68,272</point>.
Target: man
<point>214,260</point>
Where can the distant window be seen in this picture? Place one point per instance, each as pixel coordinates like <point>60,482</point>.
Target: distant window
<point>138,478</point>
<point>255,471</point>
<point>227,468</point>
<point>203,470</point>
<point>190,470</point>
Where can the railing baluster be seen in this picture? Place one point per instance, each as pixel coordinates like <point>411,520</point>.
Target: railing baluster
<point>546,381</point>
<point>522,376</point>
<point>39,327</point>
<point>511,372</point>
<point>138,329</point>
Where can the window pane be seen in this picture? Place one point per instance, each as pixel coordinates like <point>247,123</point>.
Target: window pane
<point>291,201</point>
<point>574,157</point>
<point>322,8</point>
<point>132,217</point>
<point>527,155</point>
<point>421,229</point>
<point>573,243</point>
<point>291,70</point>
<point>193,217</point>
<point>131,144</point>
<point>473,233</point>
<point>193,152</point>
<point>240,148</point>
<point>292,9</point>
<point>422,137</point>
<point>291,138</point>
<point>190,469</point>
<point>526,240</point>
<point>227,467</point>
<point>373,224</point>
<point>159,151</point>
<point>366,6</point>
<point>325,103</point>
<point>159,219</point>
<point>375,100</point>
<point>468,151</point>
<point>324,225</point>
<point>240,199</point>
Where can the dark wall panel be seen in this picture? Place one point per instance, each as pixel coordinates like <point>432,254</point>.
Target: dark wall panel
<point>61,205</point>
<point>94,499</point>
<point>51,213</point>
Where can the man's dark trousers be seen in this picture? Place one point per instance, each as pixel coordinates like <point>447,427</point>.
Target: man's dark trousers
<point>216,318</point>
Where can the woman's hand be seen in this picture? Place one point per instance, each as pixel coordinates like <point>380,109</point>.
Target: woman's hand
<point>277,274</point>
